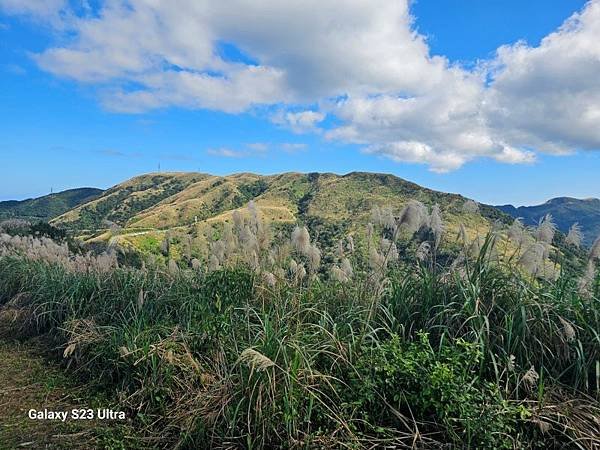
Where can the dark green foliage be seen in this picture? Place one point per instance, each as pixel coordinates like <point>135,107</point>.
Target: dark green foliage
<point>118,205</point>
<point>439,386</point>
<point>565,211</point>
<point>49,206</point>
<point>252,190</point>
<point>37,229</point>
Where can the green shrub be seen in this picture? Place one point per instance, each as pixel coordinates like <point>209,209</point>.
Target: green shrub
<point>396,380</point>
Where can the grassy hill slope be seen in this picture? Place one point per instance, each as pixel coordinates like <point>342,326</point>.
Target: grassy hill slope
<point>122,202</point>
<point>197,205</point>
<point>170,200</point>
<point>48,206</point>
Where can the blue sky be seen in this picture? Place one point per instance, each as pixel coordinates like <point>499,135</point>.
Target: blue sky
<point>68,121</point>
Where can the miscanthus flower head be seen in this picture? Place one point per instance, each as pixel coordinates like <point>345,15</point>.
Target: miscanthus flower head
<point>470,207</point>
<point>533,258</point>
<point>595,250</point>
<point>574,236</point>
<point>436,224</point>
<point>413,216</point>
<point>586,282</point>
<point>546,229</point>
<point>301,239</point>
<point>517,232</point>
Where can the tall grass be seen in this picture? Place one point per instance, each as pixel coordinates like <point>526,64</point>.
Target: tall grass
<point>398,352</point>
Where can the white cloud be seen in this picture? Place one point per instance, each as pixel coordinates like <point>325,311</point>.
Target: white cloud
<point>299,122</point>
<point>360,62</point>
<point>39,8</point>
<point>226,152</point>
<point>259,147</point>
<point>292,147</point>
<point>548,97</point>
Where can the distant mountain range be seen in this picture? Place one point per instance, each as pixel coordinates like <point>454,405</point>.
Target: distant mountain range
<point>49,206</point>
<point>565,211</point>
<point>329,203</point>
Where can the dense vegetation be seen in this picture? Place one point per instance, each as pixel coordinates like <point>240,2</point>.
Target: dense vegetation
<point>565,211</point>
<point>408,338</point>
<point>48,206</point>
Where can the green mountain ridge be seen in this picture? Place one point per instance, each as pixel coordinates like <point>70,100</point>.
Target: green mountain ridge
<point>169,200</point>
<point>565,211</point>
<point>192,208</point>
<point>49,206</point>
<point>196,205</point>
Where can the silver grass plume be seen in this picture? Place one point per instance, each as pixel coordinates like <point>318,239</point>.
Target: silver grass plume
<point>314,258</point>
<point>229,239</point>
<point>248,241</point>
<point>376,259</point>
<point>238,220</point>
<point>574,236</point>
<point>413,216</point>
<point>187,246</point>
<point>281,253</point>
<point>568,330</point>
<point>388,249</point>
<point>301,240</point>
<point>213,263</point>
<point>470,207</point>
<point>595,250</point>
<point>293,267</point>
<point>387,219</point>
<point>436,224</point>
<point>172,267</point>
<point>300,272</point>
<point>339,275</point>
<point>253,211</point>
<point>165,245</point>
<point>269,279</point>
<point>141,299</point>
<point>255,360</point>
<point>533,258</point>
<point>462,234</point>
<point>376,215</point>
<point>517,232</point>
<point>346,267</point>
<point>339,250</point>
<point>551,273</point>
<point>351,244</point>
<point>474,248</point>
<point>586,282</point>
<point>218,250</point>
<point>196,265</point>
<point>546,229</point>
<point>45,249</point>
<point>531,377</point>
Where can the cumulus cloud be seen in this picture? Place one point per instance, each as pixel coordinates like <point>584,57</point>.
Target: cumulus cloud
<point>548,97</point>
<point>363,65</point>
<point>299,122</point>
